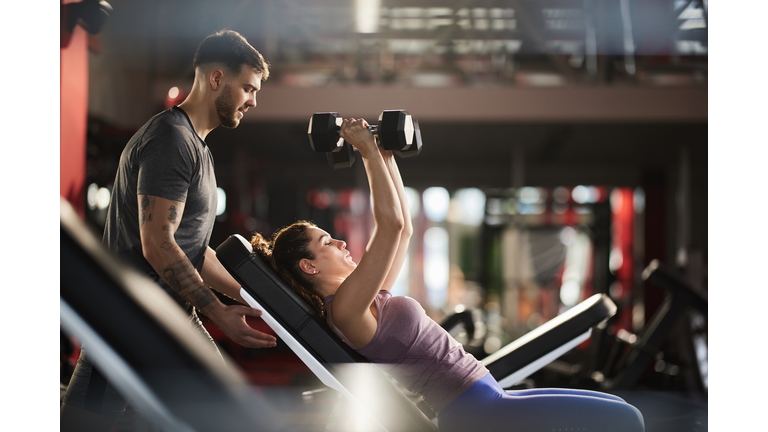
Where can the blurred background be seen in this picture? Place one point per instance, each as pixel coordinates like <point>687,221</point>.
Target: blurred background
<point>565,147</point>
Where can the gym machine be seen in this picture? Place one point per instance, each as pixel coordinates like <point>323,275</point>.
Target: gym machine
<point>625,370</point>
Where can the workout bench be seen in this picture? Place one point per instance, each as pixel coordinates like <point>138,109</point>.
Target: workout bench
<point>334,363</point>
<point>145,345</point>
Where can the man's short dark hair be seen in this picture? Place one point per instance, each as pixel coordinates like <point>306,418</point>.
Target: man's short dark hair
<point>229,48</point>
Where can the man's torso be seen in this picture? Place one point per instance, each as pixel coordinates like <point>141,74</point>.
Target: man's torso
<point>167,159</point>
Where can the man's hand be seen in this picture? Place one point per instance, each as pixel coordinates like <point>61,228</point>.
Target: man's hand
<point>158,221</point>
<point>232,320</point>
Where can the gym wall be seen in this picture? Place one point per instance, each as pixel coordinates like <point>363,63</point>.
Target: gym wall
<point>74,113</point>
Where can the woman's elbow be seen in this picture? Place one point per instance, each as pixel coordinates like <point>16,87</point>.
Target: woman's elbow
<point>407,232</point>
<point>396,223</point>
<point>401,223</point>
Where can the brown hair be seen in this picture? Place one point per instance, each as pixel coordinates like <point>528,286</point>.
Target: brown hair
<point>230,49</point>
<point>283,252</point>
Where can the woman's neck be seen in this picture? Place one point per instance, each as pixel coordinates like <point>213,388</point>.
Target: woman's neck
<point>328,287</point>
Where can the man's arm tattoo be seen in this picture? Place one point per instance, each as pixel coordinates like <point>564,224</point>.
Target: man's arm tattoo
<point>180,276</point>
<point>147,206</point>
<point>174,214</point>
<point>144,204</point>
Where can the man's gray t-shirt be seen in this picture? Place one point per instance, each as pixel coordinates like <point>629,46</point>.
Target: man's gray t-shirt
<point>167,159</point>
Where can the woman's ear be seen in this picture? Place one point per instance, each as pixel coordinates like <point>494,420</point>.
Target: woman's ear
<point>307,267</point>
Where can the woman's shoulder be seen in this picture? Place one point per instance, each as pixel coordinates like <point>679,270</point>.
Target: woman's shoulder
<point>402,302</point>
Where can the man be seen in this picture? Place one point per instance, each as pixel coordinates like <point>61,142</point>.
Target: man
<point>163,208</point>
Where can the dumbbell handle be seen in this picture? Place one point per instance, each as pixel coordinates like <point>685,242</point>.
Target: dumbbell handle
<point>374,131</point>
<point>371,127</point>
<point>400,133</point>
<point>412,151</point>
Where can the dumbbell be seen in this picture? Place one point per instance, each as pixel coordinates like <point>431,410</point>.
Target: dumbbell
<point>397,131</point>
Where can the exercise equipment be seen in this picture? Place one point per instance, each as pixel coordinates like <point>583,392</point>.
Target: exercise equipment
<point>397,131</point>
<point>145,346</point>
<point>619,360</point>
<point>415,148</point>
<point>90,14</point>
<point>459,319</point>
<point>307,334</point>
<point>681,296</point>
<point>539,347</point>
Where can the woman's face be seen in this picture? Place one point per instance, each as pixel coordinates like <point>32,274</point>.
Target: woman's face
<point>332,259</point>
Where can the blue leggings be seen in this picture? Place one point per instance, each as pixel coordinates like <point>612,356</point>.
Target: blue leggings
<point>487,407</point>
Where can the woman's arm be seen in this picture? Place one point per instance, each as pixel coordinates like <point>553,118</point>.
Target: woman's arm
<point>407,232</point>
<point>351,305</point>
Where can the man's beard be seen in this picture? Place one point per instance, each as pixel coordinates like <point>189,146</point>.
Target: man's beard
<point>226,109</point>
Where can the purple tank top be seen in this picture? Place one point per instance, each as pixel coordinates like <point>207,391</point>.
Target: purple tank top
<point>417,352</point>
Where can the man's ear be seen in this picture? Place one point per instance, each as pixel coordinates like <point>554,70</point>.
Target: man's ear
<point>216,79</point>
<point>307,267</point>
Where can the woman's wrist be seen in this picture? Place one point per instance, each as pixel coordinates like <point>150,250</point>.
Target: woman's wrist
<point>368,151</point>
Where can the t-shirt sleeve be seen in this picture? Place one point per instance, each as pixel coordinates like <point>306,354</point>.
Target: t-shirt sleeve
<point>167,165</point>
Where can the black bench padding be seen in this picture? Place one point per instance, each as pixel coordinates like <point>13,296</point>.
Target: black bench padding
<point>140,339</point>
<point>394,410</point>
<point>556,332</point>
<point>287,307</point>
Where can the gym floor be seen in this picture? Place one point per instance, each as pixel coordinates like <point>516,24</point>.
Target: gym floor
<point>662,411</point>
<point>670,411</point>
<point>283,379</point>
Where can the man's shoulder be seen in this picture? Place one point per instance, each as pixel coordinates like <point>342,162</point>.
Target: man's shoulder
<point>169,128</point>
<point>172,121</point>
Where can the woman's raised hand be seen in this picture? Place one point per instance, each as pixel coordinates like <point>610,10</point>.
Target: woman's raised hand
<point>355,132</point>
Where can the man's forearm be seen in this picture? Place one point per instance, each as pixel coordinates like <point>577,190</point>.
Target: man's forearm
<point>172,264</point>
<point>182,277</point>
<point>158,220</point>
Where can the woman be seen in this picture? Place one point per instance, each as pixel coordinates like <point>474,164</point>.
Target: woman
<point>396,332</point>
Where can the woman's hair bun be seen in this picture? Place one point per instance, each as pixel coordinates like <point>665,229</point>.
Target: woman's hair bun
<point>261,245</point>
<point>294,241</point>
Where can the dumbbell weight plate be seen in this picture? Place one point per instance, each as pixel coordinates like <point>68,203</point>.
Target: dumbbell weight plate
<point>395,130</point>
<point>344,157</point>
<point>324,132</point>
<point>415,147</point>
